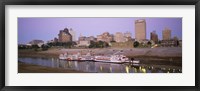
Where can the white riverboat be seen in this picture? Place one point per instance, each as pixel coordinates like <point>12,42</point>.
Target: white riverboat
<point>76,57</point>
<point>117,57</point>
<point>62,57</point>
<point>135,61</point>
<point>101,58</point>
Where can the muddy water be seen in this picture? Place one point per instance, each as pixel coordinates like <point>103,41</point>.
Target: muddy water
<point>99,67</point>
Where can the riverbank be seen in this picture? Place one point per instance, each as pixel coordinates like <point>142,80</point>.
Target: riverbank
<point>171,53</point>
<point>30,68</point>
<point>160,56</point>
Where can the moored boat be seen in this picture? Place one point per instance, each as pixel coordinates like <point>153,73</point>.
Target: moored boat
<point>135,62</point>
<point>101,58</point>
<point>62,57</point>
<point>117,57</point>
<point>76,57</point>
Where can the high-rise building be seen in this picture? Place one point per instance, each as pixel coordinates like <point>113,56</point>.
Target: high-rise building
<point>127,36</point>
<point>55,39</point>
<point>154,36</point>
<point>99,38</point>
<point>140,30</point>
<point>92,38</point>
<point>119,37</point>
<point>84,38</point>
<point>81,38</point>
<point>84,43</point>
<point>73,33</point>
<point>64,36</point>
<point>166,33</point>
<point>105,37</point>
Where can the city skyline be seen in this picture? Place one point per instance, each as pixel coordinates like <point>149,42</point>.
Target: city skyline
<point>48,28</point>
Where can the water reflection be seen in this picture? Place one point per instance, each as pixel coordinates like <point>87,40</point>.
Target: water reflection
<point>99,67</point>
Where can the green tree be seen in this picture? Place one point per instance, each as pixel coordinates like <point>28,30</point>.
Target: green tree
<point>22,47</point>
<point>35,47</point>
<point>58,44</point>
<point>92,44</point>
<point>69,44</point>
<point>106,44</point>
<point>177,43</point>
<point>100,44</point>
<point>50,44</point>
<point>112,41</point>
<point>44,47</point>
<point>136,44</point>
<point>74,43</point>
<point>159,42</point>
<point>149,43</point>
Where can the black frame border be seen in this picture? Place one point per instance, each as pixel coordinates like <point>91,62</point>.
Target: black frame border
<point>3,3</point>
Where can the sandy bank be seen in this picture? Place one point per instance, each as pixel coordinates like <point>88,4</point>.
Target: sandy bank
<point>134,52</point>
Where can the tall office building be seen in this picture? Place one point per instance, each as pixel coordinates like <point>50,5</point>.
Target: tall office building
<point>127,34</point>
<point>166,33</point>
<point>106,36</point>
<point>119,37</point>
<point>73,33</point>
<point>55,39</point>
<point>64,36</point>
<point>154,37</point>
<point>140,30</point>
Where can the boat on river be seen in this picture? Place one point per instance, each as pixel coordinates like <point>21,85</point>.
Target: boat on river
<point>101,58</point>
<point>112,59</point>
<point>76,57</point>
<point>135,61</point>
<point>117,57</point>
<point>62,57</point>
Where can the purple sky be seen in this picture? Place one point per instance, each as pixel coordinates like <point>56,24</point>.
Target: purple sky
<point>47,28</point>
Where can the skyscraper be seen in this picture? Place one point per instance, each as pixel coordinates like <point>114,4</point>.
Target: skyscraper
<point>119,37</point>
<point>64,36</point>
<point>166,34</point>
<point>127,34</point>
<point>73,33</point>
<point>154,37</point>
<point>140,30</point>
<point>106,36</point>
<point>55,39</point>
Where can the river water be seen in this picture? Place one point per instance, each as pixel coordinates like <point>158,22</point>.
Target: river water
<point>99,67</point>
